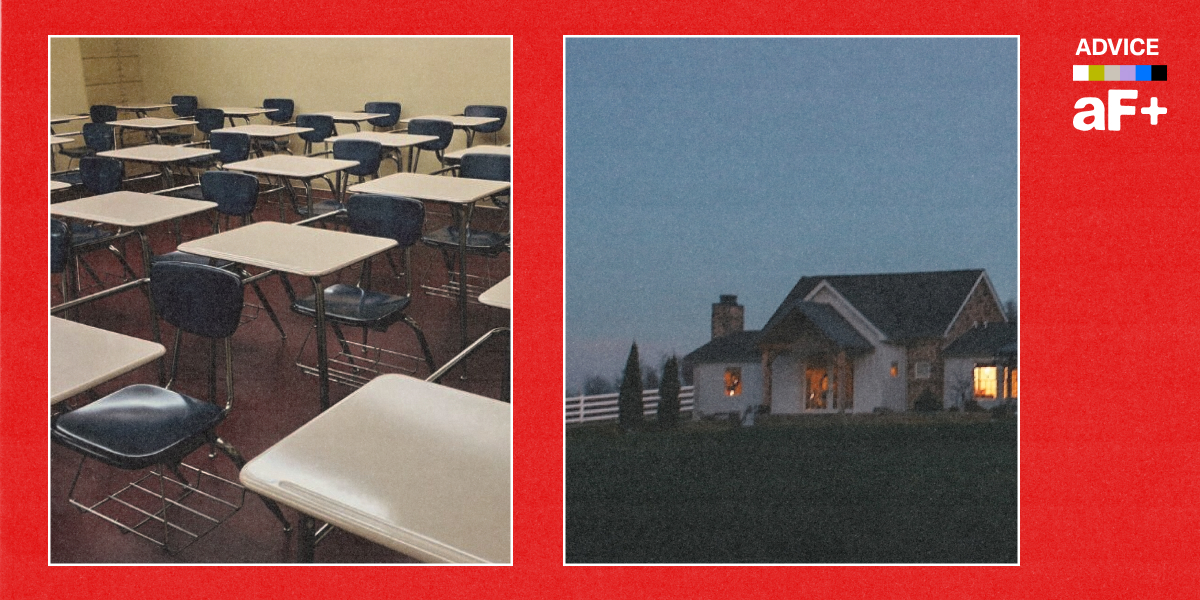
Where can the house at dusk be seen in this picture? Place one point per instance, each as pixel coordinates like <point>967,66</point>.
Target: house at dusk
<point>861,343</point>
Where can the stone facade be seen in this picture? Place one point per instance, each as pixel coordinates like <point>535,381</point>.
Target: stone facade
<point>981,307</point>
<point>924,352</point>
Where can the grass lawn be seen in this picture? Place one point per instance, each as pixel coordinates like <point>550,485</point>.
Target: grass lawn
<point>830,488</point>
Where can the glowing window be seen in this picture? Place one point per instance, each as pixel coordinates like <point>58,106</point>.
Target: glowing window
<point>985,381</point>
<point>1010,383</point>
<point>733,381</point>
<point>895,370</point>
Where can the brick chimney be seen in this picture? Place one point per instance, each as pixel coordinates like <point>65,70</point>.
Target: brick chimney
<point>727,316</point>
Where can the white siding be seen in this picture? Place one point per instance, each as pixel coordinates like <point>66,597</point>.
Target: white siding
<point>959,382</point>
<point>709,383</point>
<point>786,385</point>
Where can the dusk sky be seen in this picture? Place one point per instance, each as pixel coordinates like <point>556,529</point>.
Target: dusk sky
<point>697,167</point>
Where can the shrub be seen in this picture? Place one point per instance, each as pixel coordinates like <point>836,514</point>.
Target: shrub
<point>927,402</point>
<point>668,395</point>
<point>629,403</point>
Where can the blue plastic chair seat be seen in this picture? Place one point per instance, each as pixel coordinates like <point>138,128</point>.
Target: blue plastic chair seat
<point>480,242</point>
<point>69,177</point>
<point>138,426</point>
<point>191,192</point>
<point>355,306</point>
<point>77,152</point>
<point>82,235</point>
<point>186,257</point>
<point>171,138</point>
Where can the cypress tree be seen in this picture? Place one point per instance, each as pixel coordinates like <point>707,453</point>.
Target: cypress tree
<point>629,403</point>
<point>668,395</point>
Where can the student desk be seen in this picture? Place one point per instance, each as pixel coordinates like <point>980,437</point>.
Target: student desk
<point>58,185</point>
<point>56,140</point>
<point>258,132</point>
<point>288,167</point>
<point>460,122</point>
<point>456,156</point>
<point>415,466</point>
<point>396,141</point>
<point>298,250</point>
<point>161,156</point>
<point>141,110</point>
<point>499,295</point>
<point>459,192</point>
<point>152,124</point>
<point>353,118</point>
<point>243,112</point>
<point>130,210</point>
<point>82,357</point>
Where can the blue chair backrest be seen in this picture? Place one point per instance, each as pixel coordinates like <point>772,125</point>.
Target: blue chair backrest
<point>443,129</point>
<point>322,127</point>
<point>208,119</point>
<point>60,245</point>
<point>98,136</point>
<point>185,106</point>
<point>197,298</point>
<point>103,113</point>
<point>368,154</point>
<point>482,110</point>
<point>391,108</point>
<point>493,167</point>
<point>400,219</point>
<point>236,194</point>
<point>283,109</point>
<point>101,174</point>
<point>234,147</point>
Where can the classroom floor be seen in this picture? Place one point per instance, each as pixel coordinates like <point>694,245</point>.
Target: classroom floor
<point>272,398</point>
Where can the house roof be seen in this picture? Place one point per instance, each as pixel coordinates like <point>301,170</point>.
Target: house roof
<point>901,305</point>
<point>989,339</point>
<point>739,346</point>
<point>828,321</point>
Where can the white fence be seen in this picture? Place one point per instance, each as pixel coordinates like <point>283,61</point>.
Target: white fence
<point>603,407</point>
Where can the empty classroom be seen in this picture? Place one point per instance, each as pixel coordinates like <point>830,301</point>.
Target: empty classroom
<point>280,315</point>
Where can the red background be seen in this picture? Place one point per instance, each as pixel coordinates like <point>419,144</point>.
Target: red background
<point>1109,288</point>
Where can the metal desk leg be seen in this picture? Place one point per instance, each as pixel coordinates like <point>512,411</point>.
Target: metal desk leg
<point>162,373</point>
<point>167,177</point>
<point>308,197</point>
<point>464,221</point>
<point>306,542</point>
<point>322,351</point>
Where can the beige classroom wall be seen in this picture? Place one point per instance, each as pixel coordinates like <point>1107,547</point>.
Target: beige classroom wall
<point>67,92</point>
<point>426,75</point>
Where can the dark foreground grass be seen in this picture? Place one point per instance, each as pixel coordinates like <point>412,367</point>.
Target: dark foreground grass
<point>812,490</point>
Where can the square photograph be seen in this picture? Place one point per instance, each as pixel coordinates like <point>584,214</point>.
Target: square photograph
<point>270,338</point>
<point>791,300</point>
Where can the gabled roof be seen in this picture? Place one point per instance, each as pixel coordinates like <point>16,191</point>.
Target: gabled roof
<point>739,346</point>
<point>989,339</point>
<point>901,305</point>
<point>832,325</point>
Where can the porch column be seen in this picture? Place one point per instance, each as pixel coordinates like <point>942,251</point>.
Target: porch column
<point>767,358</point>
<point>843,371</point>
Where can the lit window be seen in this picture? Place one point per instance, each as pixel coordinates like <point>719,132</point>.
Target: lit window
<point>895,370</point>
<point>1010,383</point>
<point>985,381</point>
<point>923,370</point>
<point>733,381</point>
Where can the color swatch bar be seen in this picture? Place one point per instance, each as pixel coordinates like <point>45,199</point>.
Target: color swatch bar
<point>1119,72</point>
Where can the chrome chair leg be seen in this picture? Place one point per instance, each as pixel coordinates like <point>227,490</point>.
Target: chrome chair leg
<point>240,462</point>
